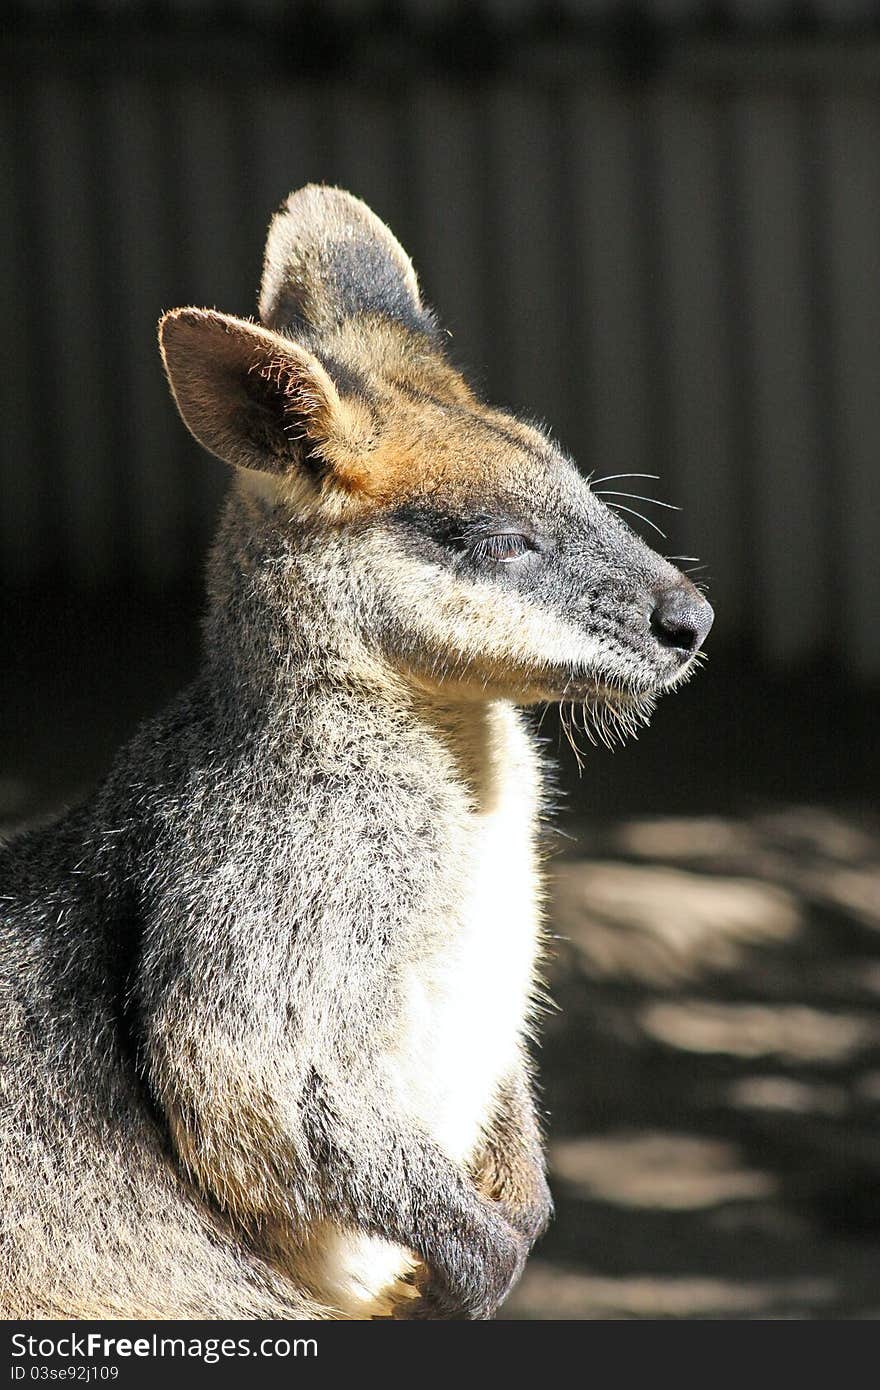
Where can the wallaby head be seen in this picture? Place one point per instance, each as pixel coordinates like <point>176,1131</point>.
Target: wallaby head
<point>473,554</point>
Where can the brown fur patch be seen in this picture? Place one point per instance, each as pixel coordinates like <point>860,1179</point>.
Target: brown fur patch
<point>401,422</point>
<point>258,400</point>
<point>429,429</point>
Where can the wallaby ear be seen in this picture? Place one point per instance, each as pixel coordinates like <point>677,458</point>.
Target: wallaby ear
<point>251,397</point>
<point>329,258</point>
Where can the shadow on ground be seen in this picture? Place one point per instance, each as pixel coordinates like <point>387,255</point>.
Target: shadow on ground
<point>713,1071</point>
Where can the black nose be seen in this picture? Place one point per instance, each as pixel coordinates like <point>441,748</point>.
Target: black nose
<point>681,618</point>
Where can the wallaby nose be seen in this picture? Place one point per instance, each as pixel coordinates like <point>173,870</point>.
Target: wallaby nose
<point>681,618</point>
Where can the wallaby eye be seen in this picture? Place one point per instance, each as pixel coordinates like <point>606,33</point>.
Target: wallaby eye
<point>503,547</point>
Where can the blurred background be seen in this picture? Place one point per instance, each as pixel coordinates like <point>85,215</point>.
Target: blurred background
<point>657,228</point>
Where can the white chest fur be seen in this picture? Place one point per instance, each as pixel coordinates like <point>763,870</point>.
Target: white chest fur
<point>464,1002</point>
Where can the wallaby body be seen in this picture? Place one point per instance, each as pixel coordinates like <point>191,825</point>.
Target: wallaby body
<point>265,997</point>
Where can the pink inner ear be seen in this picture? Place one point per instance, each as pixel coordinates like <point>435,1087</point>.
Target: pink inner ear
<point>249,397</point>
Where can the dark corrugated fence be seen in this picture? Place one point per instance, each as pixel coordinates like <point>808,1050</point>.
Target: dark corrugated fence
<point>676,266</point>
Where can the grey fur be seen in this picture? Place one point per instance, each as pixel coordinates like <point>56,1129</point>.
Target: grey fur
<point>329,258</point>
<point>209,971</point>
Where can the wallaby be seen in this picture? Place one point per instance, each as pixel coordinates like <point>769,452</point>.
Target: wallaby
<point>266,996</point>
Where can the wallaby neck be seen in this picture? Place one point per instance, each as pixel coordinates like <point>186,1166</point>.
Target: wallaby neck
<point>286,668</point>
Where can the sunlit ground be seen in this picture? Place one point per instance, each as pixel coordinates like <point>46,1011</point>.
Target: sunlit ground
<point>713,1071</point>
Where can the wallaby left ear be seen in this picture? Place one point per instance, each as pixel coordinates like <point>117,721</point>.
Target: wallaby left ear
<point>253,398</point>
<point>329,259</point>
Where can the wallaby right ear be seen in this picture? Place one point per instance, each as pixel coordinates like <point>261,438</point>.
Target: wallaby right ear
<point>253,398</point>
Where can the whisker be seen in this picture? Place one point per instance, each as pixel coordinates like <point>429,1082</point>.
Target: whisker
<point>636,497</point>
<point>565,720</point>
<point>612,477</point>
<point>621,508</point>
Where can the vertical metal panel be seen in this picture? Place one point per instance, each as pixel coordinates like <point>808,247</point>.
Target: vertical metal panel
<point>21,474</point>
<point>529,362</point>
<point>74,410</point>
<point>150,463</point>
<point>852,161</point>
<point>512,12</point>
<point>605,134</point>
<point>448,192</point>
<point>364,148</point>
<point>696,355</point>
<point>785,394</point>
<point>222,269</point>
<point>283,153</point>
